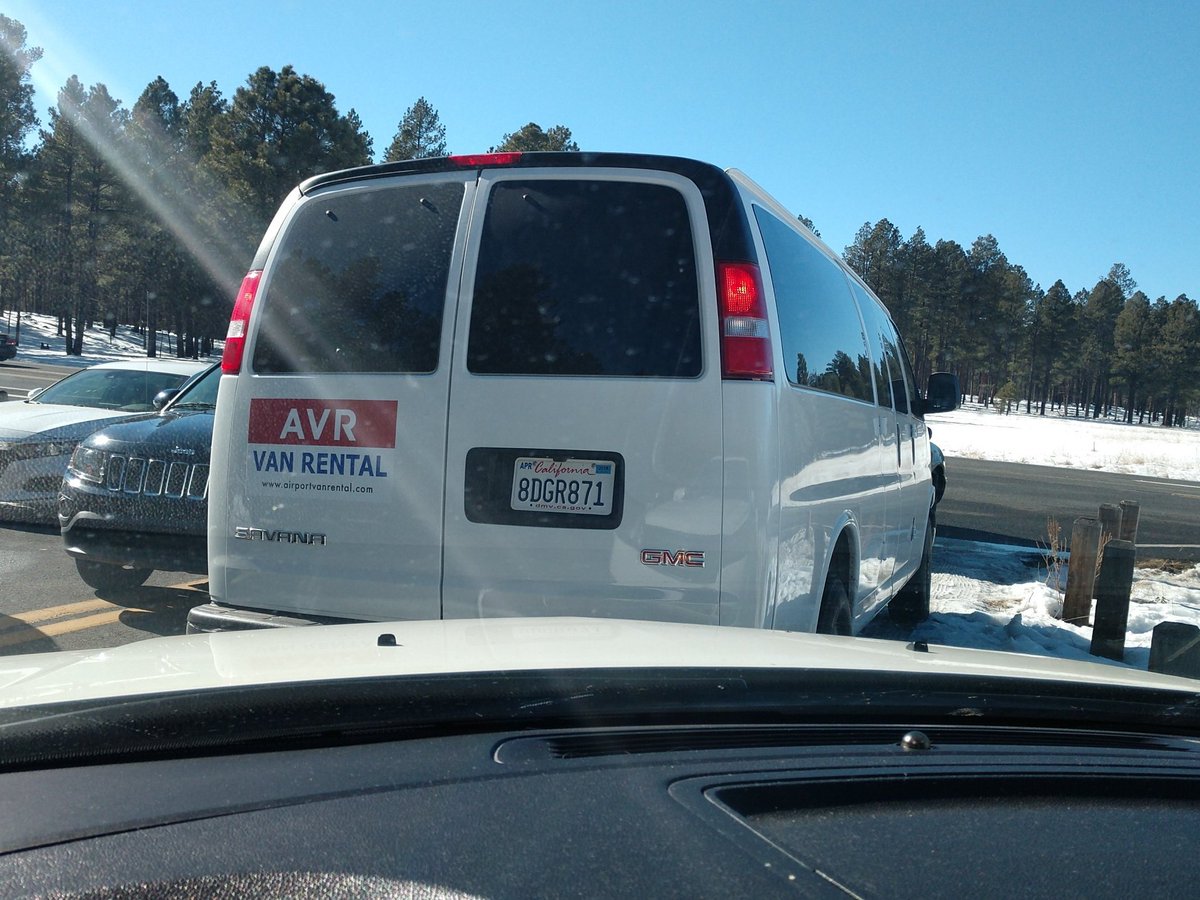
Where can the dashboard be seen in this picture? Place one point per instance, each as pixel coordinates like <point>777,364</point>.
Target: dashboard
<point>761,810</point>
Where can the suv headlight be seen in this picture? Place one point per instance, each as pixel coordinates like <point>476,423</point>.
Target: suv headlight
<point>89,463</point>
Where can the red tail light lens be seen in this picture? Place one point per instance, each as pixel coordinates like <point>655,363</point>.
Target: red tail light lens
<point>745,333</point>
<point>235,338</point>
<point>478,160</point>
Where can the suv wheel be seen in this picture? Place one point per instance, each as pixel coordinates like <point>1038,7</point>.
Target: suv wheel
<point>108,577</point>
<point>911,605</point>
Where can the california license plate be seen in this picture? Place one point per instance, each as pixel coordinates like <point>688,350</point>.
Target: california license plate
<point>579,486</point>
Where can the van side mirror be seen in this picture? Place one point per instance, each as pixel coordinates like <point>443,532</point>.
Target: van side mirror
<point>942,393</point>
<point>162,398</point>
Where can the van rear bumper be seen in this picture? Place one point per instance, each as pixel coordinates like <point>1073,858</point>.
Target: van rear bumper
<point>212,617</point>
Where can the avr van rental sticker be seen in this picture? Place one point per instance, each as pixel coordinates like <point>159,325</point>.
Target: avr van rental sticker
<point>308,445</point>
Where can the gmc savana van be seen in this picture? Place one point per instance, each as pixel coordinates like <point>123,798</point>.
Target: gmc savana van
<point>562,384</point>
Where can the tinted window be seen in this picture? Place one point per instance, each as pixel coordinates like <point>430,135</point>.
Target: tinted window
<point>585,278</point>
<point>885,346</point>
<point>360,283</point>
<point>823,344</point>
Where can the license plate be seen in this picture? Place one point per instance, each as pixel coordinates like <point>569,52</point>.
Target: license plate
<point>578,486</point>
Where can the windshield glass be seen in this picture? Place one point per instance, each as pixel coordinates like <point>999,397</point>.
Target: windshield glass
<point>110,388</point>
<point>866,322</point>
<point>201,392</point>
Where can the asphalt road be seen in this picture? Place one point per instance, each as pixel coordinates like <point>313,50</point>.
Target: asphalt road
<point>1010,503</point>
<point>44,605</point>
<point>18,378</point>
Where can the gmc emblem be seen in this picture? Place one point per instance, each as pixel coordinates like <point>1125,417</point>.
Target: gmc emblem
<point>693,558</point>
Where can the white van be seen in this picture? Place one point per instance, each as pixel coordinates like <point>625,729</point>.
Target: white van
<point>570,384</point>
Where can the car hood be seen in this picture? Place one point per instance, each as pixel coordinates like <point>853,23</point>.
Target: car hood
<point>185,428</point>
<point>53,420</point>
<point>333,652</point>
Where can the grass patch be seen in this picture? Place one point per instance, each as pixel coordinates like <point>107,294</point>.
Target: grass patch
<point>1172,566</point>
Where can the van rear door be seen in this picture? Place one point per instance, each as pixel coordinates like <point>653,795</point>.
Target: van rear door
<point>334,430</point>
<point>584,449</point>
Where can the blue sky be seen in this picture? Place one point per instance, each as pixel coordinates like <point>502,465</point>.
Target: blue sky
<point>1070,131</point>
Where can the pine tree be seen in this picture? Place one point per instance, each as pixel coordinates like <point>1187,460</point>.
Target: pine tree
<point>1178,349</point>
<point>17,117</point>
<point>281,128</point>
<point>1132,338</point>
<point>17,120</point>
<point>420,134</point>
<point>1099,321</point>
<point>1055,328</point>
<point>530,138</point>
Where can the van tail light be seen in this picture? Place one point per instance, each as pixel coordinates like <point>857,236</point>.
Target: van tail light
<point>235,338</point>
<point>478,160</point>
<point>745,334</point>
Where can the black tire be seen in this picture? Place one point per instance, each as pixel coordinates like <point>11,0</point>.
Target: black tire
<point>107,577</point>
<point>835,616</point>
<point>911,605</point>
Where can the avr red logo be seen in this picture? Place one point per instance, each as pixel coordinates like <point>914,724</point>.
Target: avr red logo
<point>323,423</point>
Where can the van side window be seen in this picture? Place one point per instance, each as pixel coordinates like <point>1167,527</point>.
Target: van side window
<point>886,347</point>
<point>360,284</point>
<point>580,277</point>
<point>872,319</point>
<point>822,336</point>
<point>909,379</point>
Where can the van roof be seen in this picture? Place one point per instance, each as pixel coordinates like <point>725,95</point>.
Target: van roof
<point>730,231</point>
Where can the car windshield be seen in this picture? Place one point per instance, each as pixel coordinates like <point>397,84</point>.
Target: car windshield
<point>111,388</point>
<point>873,322</point>
<point>201,393</point>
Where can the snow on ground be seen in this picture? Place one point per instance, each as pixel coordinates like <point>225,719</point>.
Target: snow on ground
<point>987,596</point>
<point>995,597</point>
<point>1056,440</point>
<point>37,330</point>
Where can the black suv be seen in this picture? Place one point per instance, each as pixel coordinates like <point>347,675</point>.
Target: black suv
<point>135,497</point>
<point>8,346</point>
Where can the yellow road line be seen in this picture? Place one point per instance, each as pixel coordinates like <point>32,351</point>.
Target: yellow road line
<point>189,585</point>
<point>57,612</point>
<point>56,628</point>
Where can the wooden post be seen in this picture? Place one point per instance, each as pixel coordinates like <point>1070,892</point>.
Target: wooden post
<point>1110,521</point>
<point>1129,520</point>
<point>1112,600</point>
<point>1175,649</point>
<point>1081,570</point>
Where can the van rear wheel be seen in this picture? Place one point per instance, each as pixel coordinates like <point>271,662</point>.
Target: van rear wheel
<point>911,605</point>
<point>835,616</point>
<point>108,577</point>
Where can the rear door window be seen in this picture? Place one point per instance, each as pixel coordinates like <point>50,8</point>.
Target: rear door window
<point>360,282</point>
<point>578,277</point>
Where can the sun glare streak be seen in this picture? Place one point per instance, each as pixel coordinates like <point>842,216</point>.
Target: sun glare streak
<point>222,259</point>
<point>219,257</point>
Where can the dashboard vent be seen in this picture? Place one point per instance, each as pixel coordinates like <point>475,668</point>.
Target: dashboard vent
<point>627,742</point>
